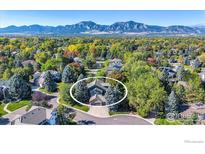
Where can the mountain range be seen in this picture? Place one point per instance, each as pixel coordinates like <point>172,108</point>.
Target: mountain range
<point>91,28</point>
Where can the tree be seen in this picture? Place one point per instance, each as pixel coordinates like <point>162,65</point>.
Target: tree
<point>90,61</point>
<point>171,105</point>
<point>41,57</point>
<point>69,75</point>
<point>181,73</point>
<point>81,92</point>
<point>64,92</point>
<point>165,80</point>
<point>51,64</point>
<point>112,95</point>
<point>19,88</point>
<point>192,120</point>
<point>146,93</point>
<point>7,74</point>
<point>81,76</point>
<point>49,84</point>
<point>196,63</point>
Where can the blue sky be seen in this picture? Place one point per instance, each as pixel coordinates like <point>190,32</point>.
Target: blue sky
<point>54,18</point>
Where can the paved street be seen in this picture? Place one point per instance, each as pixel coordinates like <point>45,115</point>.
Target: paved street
<point>113,120</point>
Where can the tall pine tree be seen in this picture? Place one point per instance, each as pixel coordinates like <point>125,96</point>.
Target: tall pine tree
<point>81,92</point>
<point>49,84</point>
<point>69,75</point>
<point>19,88</point>
<point>172,104</point>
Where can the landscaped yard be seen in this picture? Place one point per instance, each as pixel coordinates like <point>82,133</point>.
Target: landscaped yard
<point>17,105</point>
<point>45,91</point>
<point>167,122</point>
<point>77,106</point>
<point>116,113</point>
<point>2,112</point>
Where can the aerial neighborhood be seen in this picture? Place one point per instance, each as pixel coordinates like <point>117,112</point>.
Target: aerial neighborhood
<point>164,78</point>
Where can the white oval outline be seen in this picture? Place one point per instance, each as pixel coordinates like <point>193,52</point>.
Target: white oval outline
<point>71,89</point>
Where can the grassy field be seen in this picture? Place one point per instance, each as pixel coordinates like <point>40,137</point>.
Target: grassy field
<point>77,106</point>
<point>17,105</point>
<point>2,112</point>
<point>167,122</point>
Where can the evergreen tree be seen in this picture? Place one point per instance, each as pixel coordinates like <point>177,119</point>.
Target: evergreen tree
<point>81,76</point>
<point>69,75</point>
<point>172,104</point>
<point>181,73</point>
<point>112,95</point>
<point>49,84</point>
<point>196,63</point>
<point>81,92</point>
<point>186,61</point>
<point>19,88</point>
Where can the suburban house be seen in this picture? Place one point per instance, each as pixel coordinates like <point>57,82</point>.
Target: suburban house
<point>27,62</point>
<point>198,108</point>
<point>202,75</point>
<point>115,64</point>
<point>97,90</point>
<point>169,71</point>
<point>36,116</point>
<point>39,78</point>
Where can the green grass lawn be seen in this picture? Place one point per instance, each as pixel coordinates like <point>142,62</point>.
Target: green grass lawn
<point>116,113</point>
<point>187,67</point>
<point>17,105</point>
<point>167,122</point>
<point>2,112</point>
<point>45,91</point>
<point>77,106</point>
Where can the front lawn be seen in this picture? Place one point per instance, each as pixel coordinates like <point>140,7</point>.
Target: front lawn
<point>2,112</point>
<point>116,113</point>
<point>167,122</point>
<point>77,106</point>
<point>45,91</point>
<point>17,105</point>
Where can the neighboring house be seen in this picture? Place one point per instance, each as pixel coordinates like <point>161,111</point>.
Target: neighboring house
<point>27,62</point>
<point>36,116</point>
<point>39,78</point>
<point>97,90</point>
<point>202,75</point>
<point>77,60</point>
<point>4,90</point>
<point>198,108</point>
<point>169,71</point>
<point>115,64</point>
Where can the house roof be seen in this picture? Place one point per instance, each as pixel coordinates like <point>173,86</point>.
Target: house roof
<point>26,62</point>
<point>198,108</point>
<point>98,83</point>
<point>97,98</point>
<point>35,116</point>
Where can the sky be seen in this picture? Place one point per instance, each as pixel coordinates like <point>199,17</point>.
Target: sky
<point>54,18</point>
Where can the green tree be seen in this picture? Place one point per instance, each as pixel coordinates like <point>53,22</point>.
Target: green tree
<point>41,57</point>
<point>81,92</point>
<point>49,84</point>
<point>69,74</point>
<point>7,74</point>
<point>172,104</point>
<point>64,92</point>
<point>19,88</point>
<point>181,74</point>
<point>146,93</point>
